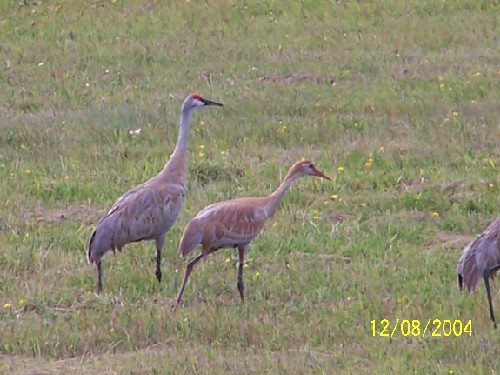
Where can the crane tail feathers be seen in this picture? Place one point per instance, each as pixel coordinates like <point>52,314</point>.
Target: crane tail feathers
<point>477,256</point>
<point>89,251</point>
<point>468,271</point>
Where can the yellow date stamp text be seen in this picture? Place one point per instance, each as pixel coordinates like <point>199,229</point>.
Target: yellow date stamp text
<point>421,328</point>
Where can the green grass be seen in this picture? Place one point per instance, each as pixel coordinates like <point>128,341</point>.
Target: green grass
<point>397,101</point>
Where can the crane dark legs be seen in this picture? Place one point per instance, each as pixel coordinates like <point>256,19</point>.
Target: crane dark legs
<point>240,284</point>
<point>486,275</point>
<point>158,265</point>
<point>99,277</point>
<point>159,246</point>
<point>189,269</point>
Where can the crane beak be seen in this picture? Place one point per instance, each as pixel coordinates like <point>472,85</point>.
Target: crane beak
<point>209,102</point>
<point>318,173</point>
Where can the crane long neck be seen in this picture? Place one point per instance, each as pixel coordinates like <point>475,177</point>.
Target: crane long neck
<point>275,198</point>
<point>176,167</point>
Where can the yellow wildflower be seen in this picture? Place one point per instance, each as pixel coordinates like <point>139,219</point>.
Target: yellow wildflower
<point>7,305</point>
<point>227,260</point>
<point>478,74</point>
<point>435,214</point>
<point>20,302</point>
<point>340,168</point>
<point>257,274</point>
<point>334,197</point>
<point>403,299</point>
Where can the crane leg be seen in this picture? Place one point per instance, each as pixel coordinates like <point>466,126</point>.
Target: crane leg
<point>486,275</point>
<point>189,269</point>
<point>159,246</point>
<point>240,284</point>
<point>99,277</point>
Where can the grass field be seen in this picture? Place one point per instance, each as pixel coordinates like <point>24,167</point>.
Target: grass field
<point>398,101</point>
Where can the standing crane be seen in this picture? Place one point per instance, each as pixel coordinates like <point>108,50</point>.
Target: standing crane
<point>234,223</point>
<point>481,258</point>
<point>150,209</point>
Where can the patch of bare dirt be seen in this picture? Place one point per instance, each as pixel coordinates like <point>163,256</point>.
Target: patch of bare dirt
<point>413,185</point>
<point>452,185</point>
<point>457,190</point>
<point>288,79</point>
<point>334,217</point>
<point>448,240</point>
<point>85,213</point>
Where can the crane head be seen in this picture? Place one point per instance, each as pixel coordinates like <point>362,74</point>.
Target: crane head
<point>307,168</point>
<point>195,100</point>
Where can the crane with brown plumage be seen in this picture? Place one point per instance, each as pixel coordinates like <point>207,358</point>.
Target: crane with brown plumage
<point>235,223</point>
<point>149,210</point>
<point>481,258</point>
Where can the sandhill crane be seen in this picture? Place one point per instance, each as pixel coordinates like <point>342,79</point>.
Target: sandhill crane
<point>234,223</point>
<point>481,258</point>
<point>149,210</point>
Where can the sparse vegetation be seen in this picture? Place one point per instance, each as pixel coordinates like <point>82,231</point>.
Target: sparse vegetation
<point>396,101</point>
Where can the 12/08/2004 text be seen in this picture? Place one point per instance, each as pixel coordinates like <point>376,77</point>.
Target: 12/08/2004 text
<point>418,328</point>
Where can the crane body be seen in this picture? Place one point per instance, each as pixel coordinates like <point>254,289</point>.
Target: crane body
<point>148,211</point>
<point>234,223</point>
<point>481,258</point>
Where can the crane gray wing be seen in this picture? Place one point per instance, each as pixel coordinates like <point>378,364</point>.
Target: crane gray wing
<point>143,213</point>
<point>234,224</point>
